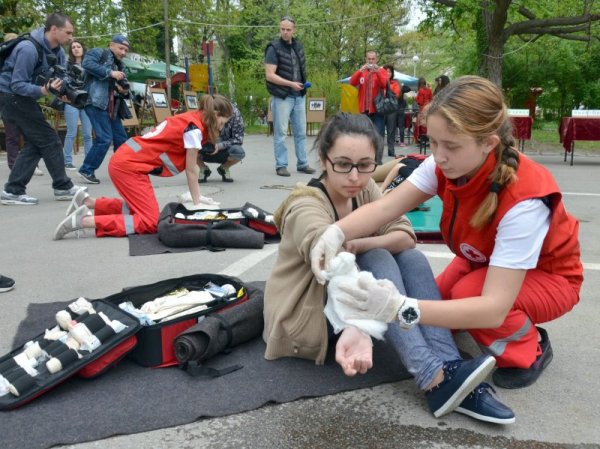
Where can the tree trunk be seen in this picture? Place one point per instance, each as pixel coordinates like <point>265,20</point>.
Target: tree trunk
<point>494,16</point>
<point>493,62</point>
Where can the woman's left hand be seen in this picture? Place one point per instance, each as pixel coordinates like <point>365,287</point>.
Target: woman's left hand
<point>354,352</point>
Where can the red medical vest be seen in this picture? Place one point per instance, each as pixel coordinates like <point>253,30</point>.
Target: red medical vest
<point>160,151</point>
<point>560,252</point>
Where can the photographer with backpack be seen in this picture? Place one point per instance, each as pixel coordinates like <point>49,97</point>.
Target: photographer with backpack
<point>22,82</point>
<point>106,84</point>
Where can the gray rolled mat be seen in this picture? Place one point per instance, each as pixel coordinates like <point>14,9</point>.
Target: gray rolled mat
<point>223,330</point>
<point>131,399</point>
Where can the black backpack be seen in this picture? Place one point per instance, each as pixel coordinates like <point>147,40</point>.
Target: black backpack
<point>7,47</point>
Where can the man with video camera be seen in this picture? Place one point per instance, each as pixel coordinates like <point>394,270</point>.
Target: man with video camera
<point>107,87</point>
<point>24,77</point>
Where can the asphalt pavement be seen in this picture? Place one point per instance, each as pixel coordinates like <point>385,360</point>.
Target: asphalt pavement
<point>561,410</point>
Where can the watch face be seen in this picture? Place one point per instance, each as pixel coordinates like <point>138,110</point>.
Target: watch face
<point>410,314</point>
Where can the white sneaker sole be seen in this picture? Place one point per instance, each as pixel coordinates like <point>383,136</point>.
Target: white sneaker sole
<point>17,203</point>
<point>474,379</point>
<point>63,198</point>
<point>485,418</point>
<point>6,289</point>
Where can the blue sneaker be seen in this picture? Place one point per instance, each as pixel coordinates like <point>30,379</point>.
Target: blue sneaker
<point>481,404</point>
<point>460,378</point>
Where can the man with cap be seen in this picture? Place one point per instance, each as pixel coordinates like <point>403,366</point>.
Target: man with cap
<point>106,83</point>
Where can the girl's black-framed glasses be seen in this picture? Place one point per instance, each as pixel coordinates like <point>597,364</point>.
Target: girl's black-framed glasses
<point>347,166</point>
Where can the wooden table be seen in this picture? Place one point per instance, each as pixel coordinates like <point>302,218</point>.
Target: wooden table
<point>577,128</point>
<point>522,130</point>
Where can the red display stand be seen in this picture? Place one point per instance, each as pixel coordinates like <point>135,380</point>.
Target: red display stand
<point>577,128</point>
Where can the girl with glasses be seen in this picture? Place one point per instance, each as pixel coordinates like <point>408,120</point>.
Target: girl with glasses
<point>295,323</point>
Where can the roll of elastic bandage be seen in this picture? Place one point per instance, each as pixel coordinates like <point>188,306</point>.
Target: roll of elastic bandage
<point>58,363</point>
<point>21,385</point>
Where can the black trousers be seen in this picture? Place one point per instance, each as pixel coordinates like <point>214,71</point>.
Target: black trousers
<point>41,142</point>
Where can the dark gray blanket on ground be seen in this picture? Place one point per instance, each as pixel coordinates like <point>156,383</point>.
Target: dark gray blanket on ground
<point>131,399</point>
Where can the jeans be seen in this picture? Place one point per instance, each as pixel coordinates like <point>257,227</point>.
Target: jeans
<point>41,142</point>
<point>391,122</point>
<point>107,131</point>
<point>400,118</point>
<point>379,121</point>
<point>72,115</point>
<point>422,349</point>
<point>284,110</point>
<point>234,152</point>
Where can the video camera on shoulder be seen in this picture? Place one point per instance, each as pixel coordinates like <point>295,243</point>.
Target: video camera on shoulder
<point>72,82</point>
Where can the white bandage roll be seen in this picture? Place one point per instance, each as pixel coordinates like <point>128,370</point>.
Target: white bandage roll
<point>56,333</point>
<point>63,318</point>
<point>26,363</point>
<point>33,349</point>
<point>116,325</point>
<point>4,384</point>
<point>80,332</point>
<point>72,343</point>
<point>81,306</point>
<point>90,344</point>
<point>54,365</point>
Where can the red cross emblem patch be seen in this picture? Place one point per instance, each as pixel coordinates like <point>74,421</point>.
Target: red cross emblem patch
<point>471,253</point>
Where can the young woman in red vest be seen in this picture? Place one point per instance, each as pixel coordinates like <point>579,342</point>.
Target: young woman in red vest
<point>167,150</point>
<point>517,257</point>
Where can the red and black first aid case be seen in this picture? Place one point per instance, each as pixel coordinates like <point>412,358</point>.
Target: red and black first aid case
<point>61,361</point>
<point>155,346</point>
<point>150,346</point>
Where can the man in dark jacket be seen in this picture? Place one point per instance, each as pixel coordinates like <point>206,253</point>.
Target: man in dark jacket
<point>105,71</point>
<point>23,79</point>
<point>285,71</point>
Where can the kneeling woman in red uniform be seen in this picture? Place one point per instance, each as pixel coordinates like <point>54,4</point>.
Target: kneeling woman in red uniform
<point>517,256</point>
<point>168,149</point>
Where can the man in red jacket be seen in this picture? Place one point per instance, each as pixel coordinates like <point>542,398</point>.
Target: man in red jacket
<point>369,80</point>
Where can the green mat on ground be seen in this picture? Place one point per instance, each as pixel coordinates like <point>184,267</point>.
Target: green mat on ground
<point>426,221</point>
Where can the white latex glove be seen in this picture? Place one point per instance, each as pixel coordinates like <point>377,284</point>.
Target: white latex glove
<point>377,300</point>
<point>325,249</point>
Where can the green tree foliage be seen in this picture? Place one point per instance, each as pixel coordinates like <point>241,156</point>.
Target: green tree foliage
<point>17,17</point>
<point>530,43</point>
<point>495,23</point>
